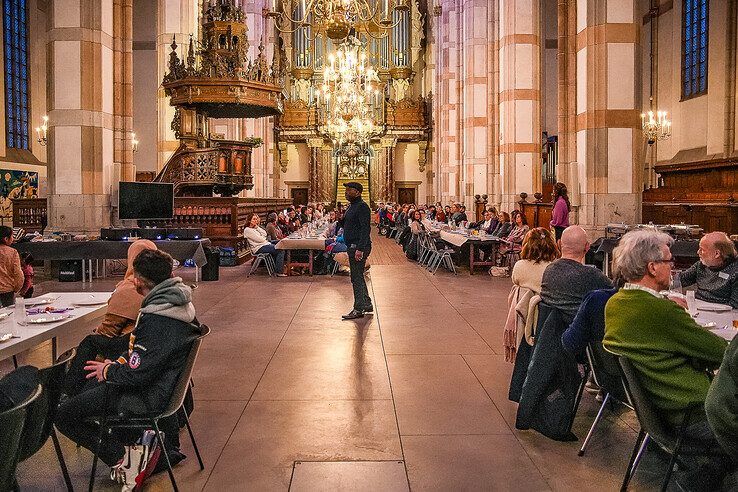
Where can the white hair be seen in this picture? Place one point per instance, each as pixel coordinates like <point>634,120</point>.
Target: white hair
<point>636,250</point>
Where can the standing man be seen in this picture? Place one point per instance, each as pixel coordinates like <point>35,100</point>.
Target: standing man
<point>356,228</point>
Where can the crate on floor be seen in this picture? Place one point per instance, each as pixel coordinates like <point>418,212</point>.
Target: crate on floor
<point>227,257</point>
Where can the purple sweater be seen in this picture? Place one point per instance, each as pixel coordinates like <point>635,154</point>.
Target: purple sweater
<point>560,214</point>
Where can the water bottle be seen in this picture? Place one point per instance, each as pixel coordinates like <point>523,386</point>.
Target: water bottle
<point>21,318</point>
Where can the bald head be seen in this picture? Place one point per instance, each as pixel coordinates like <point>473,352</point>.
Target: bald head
<point>716,249</point>
<point>574,243</point>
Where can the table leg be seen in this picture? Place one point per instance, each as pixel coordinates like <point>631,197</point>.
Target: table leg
<point>471,258</point>
<point>84,273</point>
<point>90,270</point>
<point>53,350</point>
<point>310,261</point>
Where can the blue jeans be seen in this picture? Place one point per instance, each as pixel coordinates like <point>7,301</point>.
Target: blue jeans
<point>277,254</point>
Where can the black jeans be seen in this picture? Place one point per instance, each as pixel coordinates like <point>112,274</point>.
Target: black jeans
<point>362,301</point>
<point>559,231</point>
<point>89,348</point>
<point>74,420</point>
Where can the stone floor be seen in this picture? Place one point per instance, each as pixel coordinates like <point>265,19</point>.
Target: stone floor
<point>421,385</point>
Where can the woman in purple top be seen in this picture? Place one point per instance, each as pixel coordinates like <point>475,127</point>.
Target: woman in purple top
<point>560,214</point>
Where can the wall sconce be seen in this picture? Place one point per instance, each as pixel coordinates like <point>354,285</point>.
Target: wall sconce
<point>41,131</point>
<point>134,143</point>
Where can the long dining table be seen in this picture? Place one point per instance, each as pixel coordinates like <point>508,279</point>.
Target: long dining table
<point>21,337</point>
<point>459,239</point>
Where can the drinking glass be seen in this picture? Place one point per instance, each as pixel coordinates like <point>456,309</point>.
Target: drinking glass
<point>676,284</point>
<point>691,302</point>
<point>21,318</point>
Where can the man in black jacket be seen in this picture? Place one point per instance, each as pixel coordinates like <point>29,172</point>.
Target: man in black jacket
<point>146,374</point>
<point>356,229</point>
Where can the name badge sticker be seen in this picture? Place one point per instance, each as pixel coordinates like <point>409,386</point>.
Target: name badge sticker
<point>723,275</point>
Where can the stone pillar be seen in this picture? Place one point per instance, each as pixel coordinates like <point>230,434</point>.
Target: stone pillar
<point>80,103</point>
<point>327,174</point>
<point>388,146</point>
<point>519,100</point>
<point>177,18</point>
<point>123,87</point>
<point>609,142</point>
<point>315,191</point>
<point>567,98</point>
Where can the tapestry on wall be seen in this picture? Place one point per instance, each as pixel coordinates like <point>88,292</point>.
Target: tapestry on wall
<point>16,184</point>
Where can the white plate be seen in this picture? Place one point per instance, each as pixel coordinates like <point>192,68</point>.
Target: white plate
<point>47,318</point>
<point>711,306</point>
<point>38,301</point>
<point>91,301</point>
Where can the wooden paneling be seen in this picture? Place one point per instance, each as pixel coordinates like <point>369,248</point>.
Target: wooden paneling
<point>701,193</point>
<point>537,213</point>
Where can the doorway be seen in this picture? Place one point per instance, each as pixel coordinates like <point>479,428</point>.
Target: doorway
<point>405,195</point>
<point>299,196</point>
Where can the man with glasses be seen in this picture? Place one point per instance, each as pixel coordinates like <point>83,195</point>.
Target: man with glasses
<point>716,272</point>
<point>671,352</point>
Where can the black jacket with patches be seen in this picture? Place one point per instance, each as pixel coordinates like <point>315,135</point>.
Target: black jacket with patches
<point>156,356</point>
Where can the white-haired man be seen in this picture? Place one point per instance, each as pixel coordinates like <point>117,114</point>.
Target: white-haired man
<point>670,351</point>
<point>716,272</point>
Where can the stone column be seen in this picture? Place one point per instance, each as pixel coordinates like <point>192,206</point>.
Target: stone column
<point>388,146</point>
<point>567,98</point>
<point>519,100</point>
<point>609,142</point>
<point>177,18</point>
<point>123,87</point>
<point>327,174</point>
<point>80,103</point>
<point>315,189</point>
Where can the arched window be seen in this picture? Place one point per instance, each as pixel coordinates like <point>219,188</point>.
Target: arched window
<point>15,24</point>
<point>694,47</point>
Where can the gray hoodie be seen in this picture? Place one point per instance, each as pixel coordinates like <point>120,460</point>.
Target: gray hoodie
<point>172,299</point>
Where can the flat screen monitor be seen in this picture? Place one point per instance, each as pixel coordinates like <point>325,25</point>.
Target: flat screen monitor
<point>145,200</point>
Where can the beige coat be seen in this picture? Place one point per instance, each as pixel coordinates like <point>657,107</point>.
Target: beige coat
<point>521,318</point>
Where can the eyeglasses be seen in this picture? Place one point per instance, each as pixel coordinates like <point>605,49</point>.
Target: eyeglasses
<point>670,261</point>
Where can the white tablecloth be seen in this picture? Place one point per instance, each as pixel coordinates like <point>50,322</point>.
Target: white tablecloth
<point>32,334</point>
<point>302,243</point>
<point>723,322</point>
<point>459,240</point>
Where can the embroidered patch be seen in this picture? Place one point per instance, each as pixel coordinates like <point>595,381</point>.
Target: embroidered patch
<point>134,361</point>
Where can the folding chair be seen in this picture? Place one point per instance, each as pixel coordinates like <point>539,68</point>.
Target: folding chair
<point>258,258</point>
<point>672,441</point>
<point>11,426</point>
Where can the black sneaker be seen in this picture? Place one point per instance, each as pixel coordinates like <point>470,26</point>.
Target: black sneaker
<point>354,314</point>
<point>175,457</point>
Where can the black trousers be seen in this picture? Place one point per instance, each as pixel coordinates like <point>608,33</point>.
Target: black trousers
<point>559,231</point>
<point>74,415</point>
<point>90,348</point>
<point>362,301</point>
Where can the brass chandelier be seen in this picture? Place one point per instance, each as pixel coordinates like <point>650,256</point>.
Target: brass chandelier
<point>350,100</point>
<point>337,17</point>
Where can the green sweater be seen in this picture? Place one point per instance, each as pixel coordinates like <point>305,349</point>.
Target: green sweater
<point>722,401</point>
<point>669,349</point>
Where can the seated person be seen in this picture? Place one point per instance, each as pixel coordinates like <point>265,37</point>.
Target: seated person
<point>257,238</point>
<point>145,376</point>
<point>589,323</point>
<point>27,266</point>
<point>489,224</point>
<point>670,351</point>
<point>431,215</point>
<point>11,273</point>
<point>274,234</point>
<point>568,280</point>
<point>539,250</point>
<point>293,221</point>
<point>721,405</point>
<point>456,217</point>
<point>442,214</point>
<point>111,338</point>
<point>716,272</point>
<point>514,240</point>
<point>504,226</point>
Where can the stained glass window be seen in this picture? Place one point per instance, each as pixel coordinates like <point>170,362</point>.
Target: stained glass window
<point>694,48</point>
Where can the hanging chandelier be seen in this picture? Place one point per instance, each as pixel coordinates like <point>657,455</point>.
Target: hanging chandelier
<point>337,17</point>
<point>349,100</point>
<point>655,126</point>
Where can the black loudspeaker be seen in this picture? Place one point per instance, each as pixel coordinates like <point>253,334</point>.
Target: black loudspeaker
<point>112,234</point>
<point>211,271</point>
<point>152,233</point>
<point>184,233</point>
<point>70,271</point>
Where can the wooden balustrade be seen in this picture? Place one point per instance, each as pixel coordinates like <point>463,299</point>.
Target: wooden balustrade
<point>538,213</point>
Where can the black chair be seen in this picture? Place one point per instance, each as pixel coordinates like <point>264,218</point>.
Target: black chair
<point>11,427</point>
<point>672,441</point>
<point>175,403</point>
<point>606,375</point>
<point>42,412</point>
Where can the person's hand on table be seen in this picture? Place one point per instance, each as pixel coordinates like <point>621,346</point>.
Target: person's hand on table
<point>358,255</point>
<point>97,369</point>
